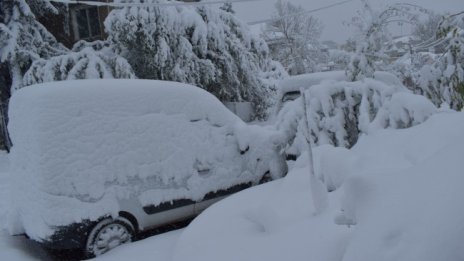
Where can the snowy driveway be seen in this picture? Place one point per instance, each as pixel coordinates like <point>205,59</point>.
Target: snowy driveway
<point>154,248</point>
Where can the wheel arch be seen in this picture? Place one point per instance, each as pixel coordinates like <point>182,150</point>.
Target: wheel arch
<point>131,218</point>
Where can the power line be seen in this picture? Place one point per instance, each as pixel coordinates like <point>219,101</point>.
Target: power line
<point>299,13</point>
<point>112,4</point>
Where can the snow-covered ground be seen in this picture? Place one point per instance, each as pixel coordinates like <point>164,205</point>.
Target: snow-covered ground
<point>400,189</point>
<point>154,248</point>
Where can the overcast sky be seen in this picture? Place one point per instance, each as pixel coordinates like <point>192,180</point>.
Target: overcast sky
<point>333,18</point>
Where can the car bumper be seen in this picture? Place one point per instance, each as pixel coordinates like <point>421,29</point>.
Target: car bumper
<point>69,237</point>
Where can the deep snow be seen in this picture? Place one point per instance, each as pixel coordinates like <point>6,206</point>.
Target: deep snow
<point>401,195</point>
<point>400,191</point>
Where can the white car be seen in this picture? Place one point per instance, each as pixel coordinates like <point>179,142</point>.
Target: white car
<point>97,161</point>
<point>289,88</point>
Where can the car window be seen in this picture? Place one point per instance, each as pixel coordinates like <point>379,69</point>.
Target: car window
<point>290,96</point>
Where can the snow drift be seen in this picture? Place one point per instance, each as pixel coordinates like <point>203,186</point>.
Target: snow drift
<point>400,190</point>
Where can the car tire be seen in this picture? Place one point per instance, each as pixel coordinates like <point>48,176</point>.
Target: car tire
<point>108,234</point>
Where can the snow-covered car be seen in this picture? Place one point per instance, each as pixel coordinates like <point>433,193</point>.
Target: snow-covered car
<point>289,88</point>
<point>97,161</point>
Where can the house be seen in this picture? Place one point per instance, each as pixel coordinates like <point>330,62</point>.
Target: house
<point>79,22</point>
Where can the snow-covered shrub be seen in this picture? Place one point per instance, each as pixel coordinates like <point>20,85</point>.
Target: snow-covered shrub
<point>339,112</point>
<point>84,64</point>
<point>23,39</point>
<point>204,46</point>
<point>442,81</point>
<point>452,64</point>
<point>438,76</point>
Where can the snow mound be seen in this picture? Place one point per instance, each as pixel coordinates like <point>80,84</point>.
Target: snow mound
<point>78,146</point>
<point>406,196</point>
<point>271,222</point>
<point>399,190</point>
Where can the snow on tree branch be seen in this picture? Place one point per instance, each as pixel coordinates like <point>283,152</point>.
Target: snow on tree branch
<point>205,46</point>
<point>84,64</point>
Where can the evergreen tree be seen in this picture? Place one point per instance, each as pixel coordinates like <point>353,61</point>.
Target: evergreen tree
<point>205,46</point>
<point>23,39</point>
<point>86,61</point>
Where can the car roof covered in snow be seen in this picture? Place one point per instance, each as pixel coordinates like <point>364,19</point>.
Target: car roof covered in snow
<point>294,83</point>
<point>123,97</point>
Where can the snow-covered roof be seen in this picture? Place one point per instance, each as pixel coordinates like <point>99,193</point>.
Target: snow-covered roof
<point>122,98</point>
<point>295,83</point>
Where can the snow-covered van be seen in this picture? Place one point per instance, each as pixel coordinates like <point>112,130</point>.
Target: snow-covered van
<point>94,162</point>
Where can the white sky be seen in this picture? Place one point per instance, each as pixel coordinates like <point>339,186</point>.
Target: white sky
<point>333,18</point>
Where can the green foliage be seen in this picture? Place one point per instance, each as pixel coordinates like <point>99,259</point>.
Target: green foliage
<point>23,39</point>
<point>460,90</point>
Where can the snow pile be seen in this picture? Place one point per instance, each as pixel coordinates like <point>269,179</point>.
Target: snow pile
<point>407,198</point>
<point>399,190</point>
<point>271,222</point>
<point>78,146</point>
<point>295,83</point>
<point>339,112</point>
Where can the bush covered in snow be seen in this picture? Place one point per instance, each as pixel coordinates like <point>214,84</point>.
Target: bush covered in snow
<point>31,54</point>
<point>23,39</point>
<point>340,112</point>
<point>439,76</point>
<point>83,64</point>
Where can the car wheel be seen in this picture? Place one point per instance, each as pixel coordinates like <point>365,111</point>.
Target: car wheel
<point>108,234</point>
